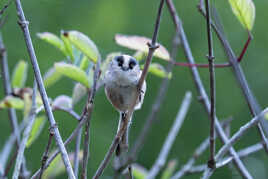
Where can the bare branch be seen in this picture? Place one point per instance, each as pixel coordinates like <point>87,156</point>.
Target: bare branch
<point>162,157</point>
<point>240,77</point>
<point>211,161</point>
<point>152,48</point>
<point>196,77</point>
<point>7,91</point>
<point>24,26</point>
<point>45,155</point>
<point>26,134</point>
<point>76,152</point>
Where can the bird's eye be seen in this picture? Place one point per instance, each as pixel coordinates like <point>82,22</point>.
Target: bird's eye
<point>132,63</point>
<point>120,60</point>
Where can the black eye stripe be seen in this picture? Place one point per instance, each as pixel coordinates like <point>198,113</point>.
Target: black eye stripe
<point>120,60</point>
<point>132,63</point>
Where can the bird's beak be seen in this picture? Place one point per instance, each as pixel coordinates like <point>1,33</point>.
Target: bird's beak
<point>124,68</point>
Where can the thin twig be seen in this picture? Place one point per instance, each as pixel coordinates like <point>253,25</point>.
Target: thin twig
<point>211,161</point>
<point>242,153</point>
<point>197,153</point>
<point>196,77</point>
<point>45,155</point>
<point>152,48</point>
<point>154,110</point>
<point>241,132</point>
<point>76,152</point>
<point>7,91</point>
<point>26,134</point>
<point>162,157</point>
<point>240,77</point>
<point>5,7</point>
<point>88,114</point>
<point>24,26</point>
<point>67,110</point>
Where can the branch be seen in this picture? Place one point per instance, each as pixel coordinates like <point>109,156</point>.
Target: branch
<point>242,153</point>
<point>89,109</point>
<point>152,48</point>
<point>24,26</point>
<point>5,7</point>
<point>197,153</point>
<point>211,161</point>
<point>7,91</point>
<point>208,172</point>
<point>82,120</point>
<point>26,134</point>
<point>161,160</point>
<point>241,79</point>
<point>76,152</point>
<point>45,155</point>
<point>196,77</point>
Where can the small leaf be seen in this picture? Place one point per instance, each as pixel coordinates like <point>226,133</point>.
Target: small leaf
<point>266,116</point>
<point>168,172</point>
<point>79,91</point>
<point>84,63</point>
<point>84,44</point>
<point>37,128</point>
<point>12,102</point>
<point>51,77</point>
<point>244,11</point>
<point>19,74</point>
<point>67,45</point>
<point>139,172</point>
<point>139,43</point>
<point>139,55</point>
<point>53,40</point>
<point>72,72</point>
<point>62,101</point>
<point>158,70</point>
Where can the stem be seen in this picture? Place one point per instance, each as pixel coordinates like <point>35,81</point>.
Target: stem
<point>7,91</point>
<point>24,26</point>
<point>45,155</point>
<point>211,161</point>
<point>196,77</point>
<point>241,79</point>
<point>162,157</point>
<point>152,48</point>
<point>76,153</point>
<point>89,109</point>
<point>26,134</point>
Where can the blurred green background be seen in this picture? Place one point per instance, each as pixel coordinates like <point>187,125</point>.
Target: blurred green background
<point>101,20</point>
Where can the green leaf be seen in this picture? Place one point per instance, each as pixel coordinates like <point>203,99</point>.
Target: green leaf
<point>266,116</point>
<point>168,172</point>
<point>19,74</point>
<point>67,45</point>
<point>139,43</point>
<point>53,40</point>
<point>12,102</point>
<point>62,101</point>
<point>139,55</point>
<point>51,77</point>
<point>72,72</point>
<point>158,70</point>
<point>139,172</point>
<point>244,11</point>
<point>37,128</point>
<point>84,63</point>
<point>84,44</point>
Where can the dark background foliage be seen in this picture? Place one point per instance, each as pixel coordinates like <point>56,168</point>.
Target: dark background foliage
<point>101,20</point>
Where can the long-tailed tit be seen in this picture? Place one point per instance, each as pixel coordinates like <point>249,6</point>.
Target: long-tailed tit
<point>121,79</point>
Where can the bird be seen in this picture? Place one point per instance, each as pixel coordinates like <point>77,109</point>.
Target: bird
<point>120,83</point>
